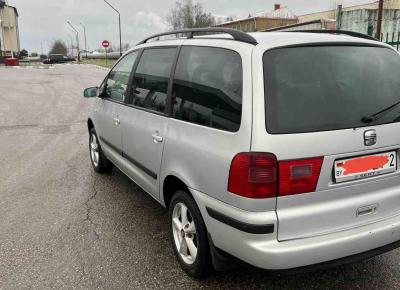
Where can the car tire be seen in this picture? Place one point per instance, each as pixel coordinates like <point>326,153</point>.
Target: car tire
<point>99,161</point>
<point>189,235</point>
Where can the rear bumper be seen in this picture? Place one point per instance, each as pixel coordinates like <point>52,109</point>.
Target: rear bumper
<point>342,261</point>
<point>265,251</point>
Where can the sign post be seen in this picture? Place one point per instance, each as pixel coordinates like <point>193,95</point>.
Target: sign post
<point>106,44</point>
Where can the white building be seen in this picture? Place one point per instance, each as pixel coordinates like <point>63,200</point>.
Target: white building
<point>9,37</point>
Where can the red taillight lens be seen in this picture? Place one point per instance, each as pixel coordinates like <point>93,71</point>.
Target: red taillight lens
<point>299,176</point>
<point>253,175</point>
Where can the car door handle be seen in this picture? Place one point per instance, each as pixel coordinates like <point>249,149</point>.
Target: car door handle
<point>157,138</point>
<point>116,121</point>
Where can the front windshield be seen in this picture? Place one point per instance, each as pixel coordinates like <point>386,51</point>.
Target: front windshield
<point>320,88</point>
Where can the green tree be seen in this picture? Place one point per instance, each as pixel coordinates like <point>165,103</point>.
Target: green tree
<point>58,47</point>
<point>187,14</point>
<point>23,53</point>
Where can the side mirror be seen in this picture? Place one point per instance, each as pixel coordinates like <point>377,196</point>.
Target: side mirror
<point>91,92</point>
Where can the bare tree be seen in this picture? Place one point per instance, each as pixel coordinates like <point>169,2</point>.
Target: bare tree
<point>185,14</point>
<point>125,46</point>
<point>58,47</point>
<point>113,48</point>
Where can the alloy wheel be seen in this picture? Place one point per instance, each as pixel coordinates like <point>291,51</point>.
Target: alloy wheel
<point>94,150</point>
<point>184,233</point>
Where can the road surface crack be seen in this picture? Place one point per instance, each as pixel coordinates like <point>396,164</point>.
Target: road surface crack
<point>82,275</point>
<point>89,209</point>
<point>41,126</point>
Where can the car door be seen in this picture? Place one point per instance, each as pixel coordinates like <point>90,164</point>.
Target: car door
<point>113,94</point>
<point>144,121</point>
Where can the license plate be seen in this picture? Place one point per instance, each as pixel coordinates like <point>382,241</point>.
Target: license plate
<point>365,166</point>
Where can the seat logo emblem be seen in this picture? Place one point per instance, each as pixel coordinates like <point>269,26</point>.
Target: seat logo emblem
<point>369,137</point>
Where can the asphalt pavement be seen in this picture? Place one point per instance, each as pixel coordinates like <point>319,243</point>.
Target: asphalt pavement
<point>62,226</point>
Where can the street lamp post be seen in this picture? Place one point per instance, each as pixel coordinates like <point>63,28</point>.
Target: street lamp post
<point>84,34</point>
<point>77,40</point>
<point>2,32</point>
<point>119,21</point>
<point>379,24</point>
<point>71,47</point>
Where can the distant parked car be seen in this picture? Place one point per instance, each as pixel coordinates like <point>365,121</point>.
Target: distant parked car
<point>58,58</point>
<point>278,148</point>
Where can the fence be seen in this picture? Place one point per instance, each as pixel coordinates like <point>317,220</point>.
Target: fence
<point>110,55</point>
<point>391,39</point>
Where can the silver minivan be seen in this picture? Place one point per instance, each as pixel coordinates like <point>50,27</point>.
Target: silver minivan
<point>277,148</point>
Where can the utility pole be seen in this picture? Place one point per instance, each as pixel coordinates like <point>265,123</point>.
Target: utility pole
<point>379,24</point>
<point>119,21</point>
<point>84,34</point>
<point>339,17</point>
<point>71,47</point>
<point>77,40</point>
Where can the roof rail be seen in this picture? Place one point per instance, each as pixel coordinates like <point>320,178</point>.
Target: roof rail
<point>236,34</point>
<point>331,31</point>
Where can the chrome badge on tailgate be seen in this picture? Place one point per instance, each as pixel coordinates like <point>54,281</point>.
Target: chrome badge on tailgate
<point>365,166</point>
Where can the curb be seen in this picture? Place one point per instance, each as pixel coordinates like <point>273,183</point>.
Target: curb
<point>97,66</point>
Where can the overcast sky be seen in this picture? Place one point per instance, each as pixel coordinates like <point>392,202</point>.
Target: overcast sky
<point>45,20</point>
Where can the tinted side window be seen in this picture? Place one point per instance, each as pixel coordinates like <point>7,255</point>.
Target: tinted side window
<point>151,78</point>
<point>118,78</point>
<point>207,87</point>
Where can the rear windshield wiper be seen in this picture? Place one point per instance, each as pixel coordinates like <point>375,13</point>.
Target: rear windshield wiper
<point>373,117</point>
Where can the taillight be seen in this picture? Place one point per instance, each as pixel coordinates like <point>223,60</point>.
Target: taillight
<point>253,175</point>
<point>299,176</point>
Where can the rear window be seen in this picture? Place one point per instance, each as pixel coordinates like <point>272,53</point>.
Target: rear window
<point>323,88</point>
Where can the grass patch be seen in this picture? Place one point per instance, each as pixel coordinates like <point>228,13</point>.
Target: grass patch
<point>101,62</point>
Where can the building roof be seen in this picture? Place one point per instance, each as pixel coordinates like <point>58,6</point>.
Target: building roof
<point>281,13</point>
<point>249,19</point>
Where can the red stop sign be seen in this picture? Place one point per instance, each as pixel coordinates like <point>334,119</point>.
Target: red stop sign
<point>105,43</point>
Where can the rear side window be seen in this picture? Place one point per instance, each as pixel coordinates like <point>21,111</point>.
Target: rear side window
<point>323,88</point>
<point>207,88</point>
<point>151,78</point>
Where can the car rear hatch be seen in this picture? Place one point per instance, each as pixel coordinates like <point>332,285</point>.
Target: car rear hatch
<point>331,119</point>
